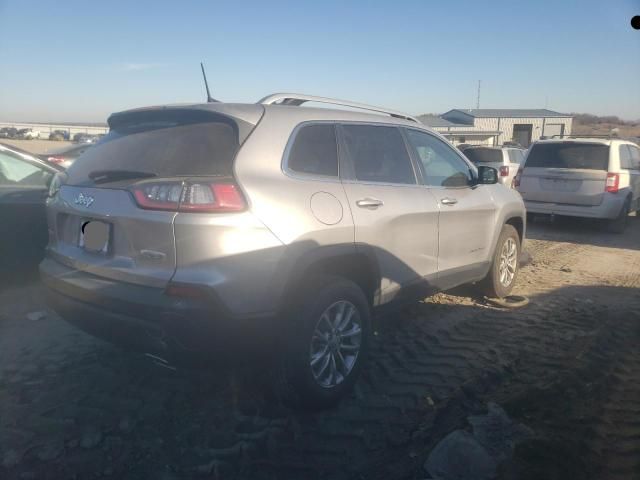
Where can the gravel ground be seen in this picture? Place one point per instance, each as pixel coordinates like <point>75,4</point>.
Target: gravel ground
<point>566,366</point>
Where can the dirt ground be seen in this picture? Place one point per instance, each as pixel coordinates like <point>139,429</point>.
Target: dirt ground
<point>567,366</point>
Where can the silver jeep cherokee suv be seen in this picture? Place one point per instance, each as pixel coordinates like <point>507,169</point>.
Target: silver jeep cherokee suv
<point>210,227</point>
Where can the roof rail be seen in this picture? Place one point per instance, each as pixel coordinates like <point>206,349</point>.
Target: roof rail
<point>297,99</point>
<point>585,136</point>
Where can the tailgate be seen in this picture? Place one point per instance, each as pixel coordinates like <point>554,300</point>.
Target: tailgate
<point>557,185</point>
<point>138,244</point>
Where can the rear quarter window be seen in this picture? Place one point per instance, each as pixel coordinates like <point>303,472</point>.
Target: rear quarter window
<point>483,155</point>
<point>570,155</point>
<point>314,151</point>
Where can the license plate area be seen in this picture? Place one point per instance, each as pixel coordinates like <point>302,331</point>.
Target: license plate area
<point>95,236</point>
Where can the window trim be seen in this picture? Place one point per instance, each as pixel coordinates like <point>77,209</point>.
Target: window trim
<point>347,168</point>
<point>416,158</point>
<point>289,172</point>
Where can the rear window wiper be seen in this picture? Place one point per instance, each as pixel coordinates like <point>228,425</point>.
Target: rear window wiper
<point>103,176</point>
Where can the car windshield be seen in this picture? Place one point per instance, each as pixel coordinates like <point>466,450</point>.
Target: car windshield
<point>569,155</point>
<point>484,155</point>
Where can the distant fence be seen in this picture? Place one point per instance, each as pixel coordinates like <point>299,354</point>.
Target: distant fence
<point>46,128</point>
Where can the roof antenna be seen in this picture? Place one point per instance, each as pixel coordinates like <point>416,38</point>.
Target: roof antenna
<point>210,99</point>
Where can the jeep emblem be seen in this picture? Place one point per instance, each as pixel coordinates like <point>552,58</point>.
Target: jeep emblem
<point>84,200</point>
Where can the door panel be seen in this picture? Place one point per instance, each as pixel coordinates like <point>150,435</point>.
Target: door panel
<point>403,230</point>
<point>391,212</point>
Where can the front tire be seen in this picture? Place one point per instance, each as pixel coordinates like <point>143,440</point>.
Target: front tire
<point>329,343</point>
<point>505,265</point>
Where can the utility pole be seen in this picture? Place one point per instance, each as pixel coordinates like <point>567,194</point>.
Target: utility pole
<point>478,99</point>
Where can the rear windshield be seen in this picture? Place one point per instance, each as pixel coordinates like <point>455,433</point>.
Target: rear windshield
<point>163,149</point>
<point>483,155</point>
<point>586,156</point>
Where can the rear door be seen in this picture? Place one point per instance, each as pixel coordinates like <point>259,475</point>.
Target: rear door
<point>571,173</point>
<point>467,213</point>
<point>391,211</point>
<point>99,225</point>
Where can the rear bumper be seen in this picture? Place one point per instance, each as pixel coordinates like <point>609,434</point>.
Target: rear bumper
<point>608,209</point>
<point>146,320</point>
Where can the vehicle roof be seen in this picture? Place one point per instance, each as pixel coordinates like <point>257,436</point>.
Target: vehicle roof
<point>252,113</point>
<point>602,141</point>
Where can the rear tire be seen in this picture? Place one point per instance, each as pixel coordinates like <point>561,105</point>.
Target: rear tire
<point>619,224</point>
<point>505,266</point>
<point>328,345</point>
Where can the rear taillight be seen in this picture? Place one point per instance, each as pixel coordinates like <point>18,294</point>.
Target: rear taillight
<point>56,160</point>
<point>516,180</point>
<point>504,171</point>
<point>613,183</point>
<point>206,197</point>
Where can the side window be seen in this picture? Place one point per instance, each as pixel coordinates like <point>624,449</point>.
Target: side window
<point>16,171</point>
<point>315,151</point>
<point>442,165</point>
<point>378,154</point>
<point>635,157</point>
<point>625,157</point>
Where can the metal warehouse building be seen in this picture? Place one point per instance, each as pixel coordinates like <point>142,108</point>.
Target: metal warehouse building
<point>496,126</point>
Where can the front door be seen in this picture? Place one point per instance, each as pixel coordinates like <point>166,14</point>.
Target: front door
<point>391,213</point>
<point>522,134</point>
<point>467,213</point>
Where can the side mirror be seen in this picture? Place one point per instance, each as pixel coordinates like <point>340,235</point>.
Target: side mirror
<point>487,175</point>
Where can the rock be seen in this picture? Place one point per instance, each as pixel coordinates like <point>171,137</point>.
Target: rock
<point>125,425</point>
<point>10,459</point>
<point>459,456</point>
<point>566,269</point>
<point>35,316</point>
<point>91,439</point>
<point>51,451</point>
<point>496,432</point>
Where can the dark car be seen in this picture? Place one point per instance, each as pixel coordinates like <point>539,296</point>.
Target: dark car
<point>8,132</point>
<point>66,156</point>
<point>24,185</point>
<point>59,135</point>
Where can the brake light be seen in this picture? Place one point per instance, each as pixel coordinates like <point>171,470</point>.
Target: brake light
<point>516,180</point>
<point>613,183</point>
<point>504,171</point>
<point>56,160</point>
<point>207,197</point>
<point>184,291</point>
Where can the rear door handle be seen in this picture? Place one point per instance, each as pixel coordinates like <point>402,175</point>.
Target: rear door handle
<point>371,203</point>
<point>448,201</point>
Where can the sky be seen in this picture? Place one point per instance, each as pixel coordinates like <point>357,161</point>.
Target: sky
<point>78,61</point>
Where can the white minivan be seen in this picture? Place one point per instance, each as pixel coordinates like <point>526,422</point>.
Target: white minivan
<point>582,177</point>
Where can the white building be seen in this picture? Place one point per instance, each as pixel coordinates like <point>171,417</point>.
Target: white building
<point>496,126</point>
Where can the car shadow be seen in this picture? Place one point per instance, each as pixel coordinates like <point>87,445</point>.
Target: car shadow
<point>584,231</point>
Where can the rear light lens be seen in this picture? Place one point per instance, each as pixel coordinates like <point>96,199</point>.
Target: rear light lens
<point>184,291</point>
<point>613,183</point>
<point>56,160</point>
<point>206,197</point>
<point>504,171</point>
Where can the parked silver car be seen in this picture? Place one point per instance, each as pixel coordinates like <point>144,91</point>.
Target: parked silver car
<point>201,228</point>
<point>506,160</point>
<point>583,177</point>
